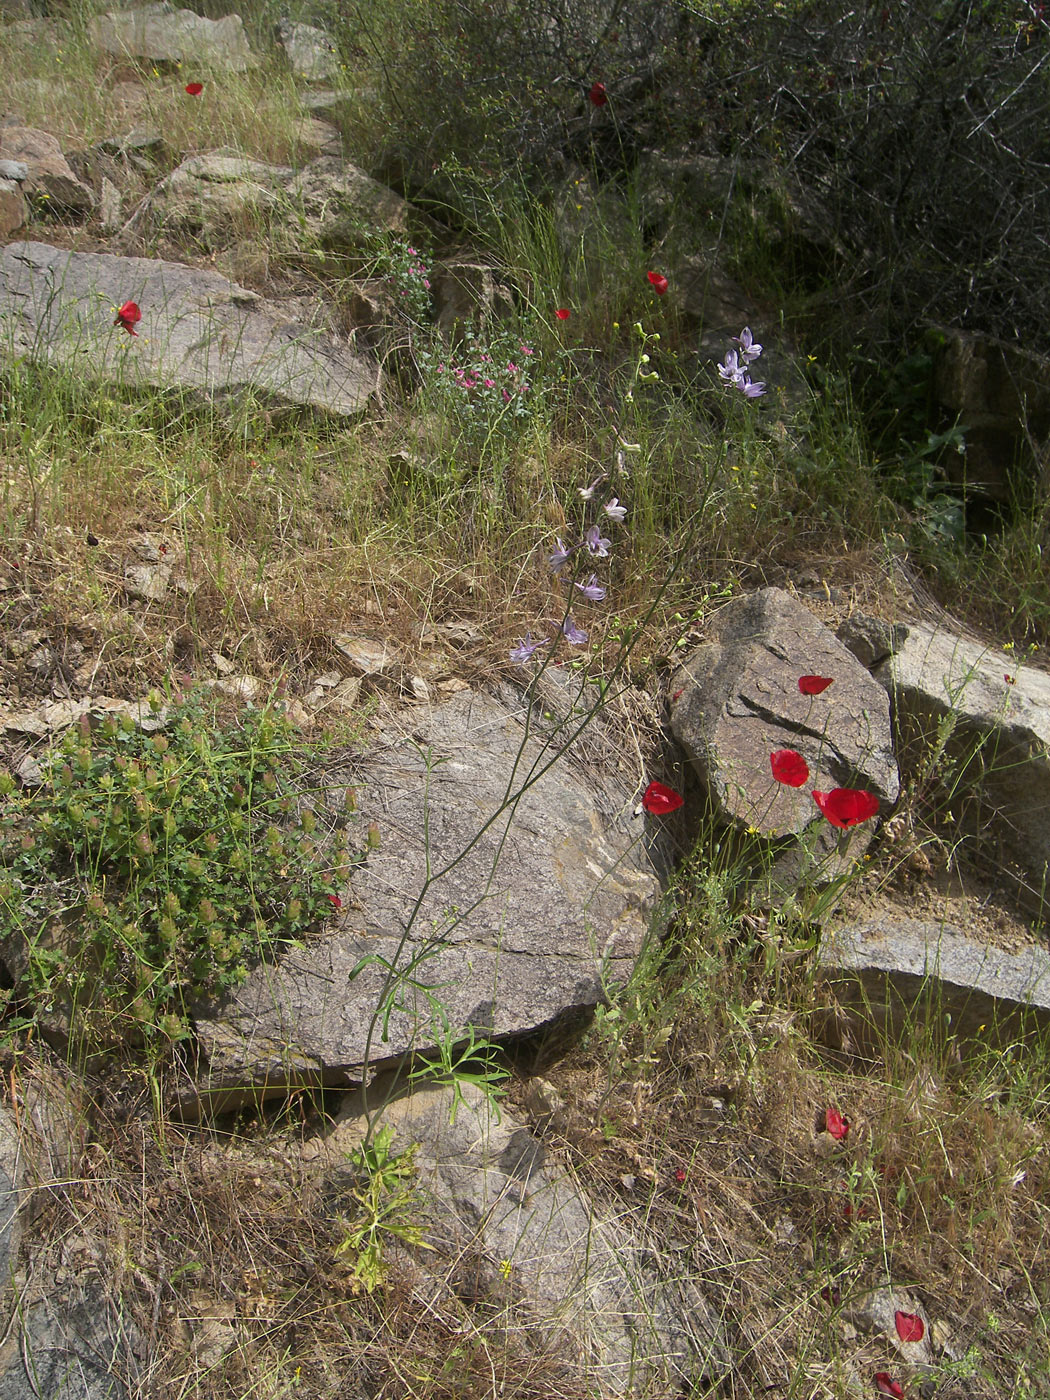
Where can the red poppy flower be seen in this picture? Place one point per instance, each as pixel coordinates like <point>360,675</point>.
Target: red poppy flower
<point>598,95</point>
<point>659,282</point>
<point>846,807</point>
<point>335,901</point>
<point>789,767</point>
<point>658,799</point>
<point>1010,680</point>
<point>910,1327</point>
<point>128,316</point>
<point>195,89</point>
<point>886,1385</point>
<point>836,1125</point>
<point>563,313</point>
<point>679,1175</point>
<point>814,685</point>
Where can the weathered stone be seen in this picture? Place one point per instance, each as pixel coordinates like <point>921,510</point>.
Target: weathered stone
<point>872,640</point>
<point>340,203</point>
<point>517,1233</point>
<point>49,175</point>
<point>14,170</point>
<point>198,330</point>
<point>535,907</point>
<point>999,713</point>
<point>14,211</point>
<point>163,33</point>
<point>57,715</point>
<point>891,974</point>
<point>318,136</point>
<point>367,657</point>
<point>10,1195</point>
<point>1000,393</point>
<point>210,196</point>
<point>737,700</point>
<point>310,51</point>
<point>111,207</point>
<point>876,1311</point>
<point>67,1346</point>
<point>467,294</point>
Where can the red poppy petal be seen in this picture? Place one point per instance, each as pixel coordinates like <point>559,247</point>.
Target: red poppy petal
<point>563,313</point>
<point>836,1125</point>
<point>659,282</point>
<point>336,902</point>
<point>886,1385</point>
<point>598,95</point>
<point>814,685</point>
<point>845,807</point>
<point>789,767</point>
<point>910,1327</point>
<point>658,799</point>
<point>195,89</point>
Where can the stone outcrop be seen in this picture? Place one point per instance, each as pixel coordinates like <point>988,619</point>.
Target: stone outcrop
<point>539,901</point>
<point>518,1235</point>
<point>199,332</point>
<point>164,33</point>
<point>309,51</point>
<point>995,717</point>
<point>48,175</point>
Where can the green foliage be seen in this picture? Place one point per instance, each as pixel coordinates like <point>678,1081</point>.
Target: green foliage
<point>388,1208</point>
<point>153,868</point>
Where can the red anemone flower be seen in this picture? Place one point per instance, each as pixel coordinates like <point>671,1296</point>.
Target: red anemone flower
<point>598,95</point>
<point>659,282</point>
<point>658,799</point>
<point>336,902</point>
<point>910,1327</point>
<point>814,685</point>
<point>789,767</point>
<point>563,313</point>
<point>195,89</point>
<point>129,316</point>
<point>846,807</point>
<point>836,1125</point>
<point>886,1385</point>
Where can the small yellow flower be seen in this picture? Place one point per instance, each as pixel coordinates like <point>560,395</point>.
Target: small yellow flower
<point>505,1267</point>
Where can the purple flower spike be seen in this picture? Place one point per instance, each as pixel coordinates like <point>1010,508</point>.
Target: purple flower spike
<point>573,634</point>
<point>615,511</point>
<point>592,589</point>
<point>748,349</point>
<point>560,558</point>
<point>526,648</point>
<point>596,545</point>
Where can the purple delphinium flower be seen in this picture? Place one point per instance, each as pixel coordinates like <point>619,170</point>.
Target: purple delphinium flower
<point>560,557</point>
<point>732,370</point>
<point>596,545</point>
<point>586,492</point>
<point>526,648</point>
<point>592,589</point>
<point>573,634</point>
<point>615,511</point>
<point>748,349</point>
<point>753,391</point>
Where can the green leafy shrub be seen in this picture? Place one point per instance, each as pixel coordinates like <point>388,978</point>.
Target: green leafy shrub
<point>153,868</point>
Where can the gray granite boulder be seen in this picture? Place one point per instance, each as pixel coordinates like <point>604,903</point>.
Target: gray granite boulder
<point>49,176</point>
<point>736,700</point>
<point>164,33</point>
<point>997,719</point>
<point>66,1345</point>
<point>211,197</point>
<point>891,975</point>
<point>539,901</point>
<point>198,331</point>
<point>309,50</point>
<point>515,1232</point>
<point>14,211</point>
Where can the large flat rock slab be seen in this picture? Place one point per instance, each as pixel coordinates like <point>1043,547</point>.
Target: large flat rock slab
<point>163,33</point>
<point>894,974</point>
<point>530,912</point>
<point>198,331</point>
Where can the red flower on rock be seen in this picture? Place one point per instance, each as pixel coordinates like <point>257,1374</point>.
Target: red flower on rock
<point>886,1385</point>
<point>845,807</point>
<point>598,95</point>
<point>789,767</point>
<point>195,89</point>
<point>129,316</point>
<point>659,282</point>
<point>910,1327</point>
<point>563,313</point>
<point>814,685</point>
<point>836,1125</point>
<point>658,799</point>
<point>336,902</point>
